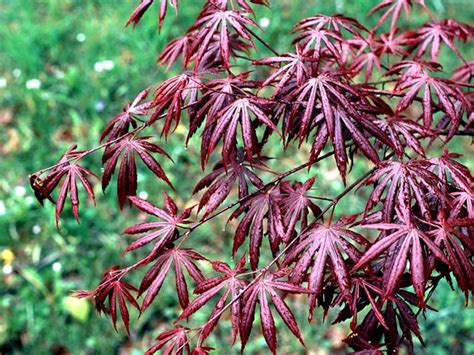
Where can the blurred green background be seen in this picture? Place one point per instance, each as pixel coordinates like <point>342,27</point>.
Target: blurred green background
<point>66,67</point>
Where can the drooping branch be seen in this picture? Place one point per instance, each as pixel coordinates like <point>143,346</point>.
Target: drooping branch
<point>262,271</point>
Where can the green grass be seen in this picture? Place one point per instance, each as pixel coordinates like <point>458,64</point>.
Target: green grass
<point>62,43</point>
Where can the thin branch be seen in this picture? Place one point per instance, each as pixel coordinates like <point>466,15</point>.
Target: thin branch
<point>103,145</point>
<point>263,271</point>
<point>145,124</point>
<point>445,132</point>
<point>239,201</point>
<point>464,84</point>
<point>382,82</point>
<point>244,94</point>
<point>262,41</point>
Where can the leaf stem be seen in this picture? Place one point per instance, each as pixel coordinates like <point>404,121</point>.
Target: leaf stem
<point>276,180</point>
<point>262,41</point>
<point>103,145</point>
<point>264,269</point>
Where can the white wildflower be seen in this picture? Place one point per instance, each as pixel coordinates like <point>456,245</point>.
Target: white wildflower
<point>36,229</point>
<point>7,269</point>
<point>143,195</point>
<point>20,191</point>
<point>33,84</point>
<point>81,37</point>
<point>56,266</point>
<point>108,64</point>
<point>264,22</point>
<point>104,65</point>
<point>99,106</point>
<point>98,67</point>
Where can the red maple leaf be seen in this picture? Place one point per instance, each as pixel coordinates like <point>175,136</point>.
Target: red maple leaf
<point>177,339</point>
<point>269,285</point>
<point>295,68</point>
<point>445,90</point>
<point>222,179</point>
<point>403,183</point>
<point>115,290</point>
<point>317,247</point>
<point>296,205</point>
<point>403,241</point>
<point>317,39</point>
<point>214,21</point>
<point>127,176</point>
<point>143,7</point>
<point>335,22</point>
<point>394,8</point>
<point>120,124</point>
<point>401,322</point>
<point>179,258</point>
<point>432,34</point>
<point>263,206</point>
<point>225,128</point>
<point>69,172</point>
<point>403,133</point>
<point>231,284</point>
<point>217,94</point>
<point>328,104</point>
<point>448,235</point>
<point>180,46</point>
<point>172,96</point>
<point>166,229</point>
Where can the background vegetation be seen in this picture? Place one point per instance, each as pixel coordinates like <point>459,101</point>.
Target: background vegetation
<point>66,67</point>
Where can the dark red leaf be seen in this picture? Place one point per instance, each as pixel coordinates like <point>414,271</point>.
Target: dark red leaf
<point>404,183</point>
<point>432,34</point>
<point>69,172</point>
<point>115,290</point>
<point>315,248</point>
<point>175,338</point>
<point>127,177</point>
<point>262,206</point>
<point>143,7</point>
<point>224,127</point>
<point>172,96</point>
<point>268,285</point>
<point>179,258</point>
<point>207,289</point>
<point>120,124</point>
<point>404,242</point>
<point>221,181</point>
<point>220,23</point>
<point>394,8</point>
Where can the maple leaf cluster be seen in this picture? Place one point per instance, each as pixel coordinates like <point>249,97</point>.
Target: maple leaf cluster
<point>343,92</point>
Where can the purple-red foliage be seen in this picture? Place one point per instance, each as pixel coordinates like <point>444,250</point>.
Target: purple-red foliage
<point>343,91</point>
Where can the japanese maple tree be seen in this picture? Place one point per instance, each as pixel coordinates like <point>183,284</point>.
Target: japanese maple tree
<point>342,93</point>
